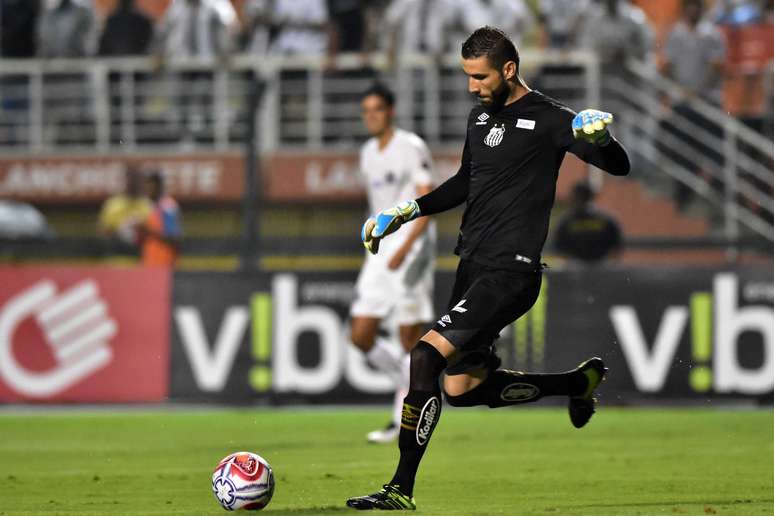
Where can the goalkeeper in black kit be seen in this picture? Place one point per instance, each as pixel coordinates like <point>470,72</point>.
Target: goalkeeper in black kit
<point>516,141</point>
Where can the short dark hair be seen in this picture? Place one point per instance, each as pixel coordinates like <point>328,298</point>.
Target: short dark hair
<point>380,90</point>
<point>492,43</point>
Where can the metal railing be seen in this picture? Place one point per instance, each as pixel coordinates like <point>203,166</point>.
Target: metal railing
<point>127,105</point>
<point>768,100</point>
<point>709,153</point>
<point>122,105</point>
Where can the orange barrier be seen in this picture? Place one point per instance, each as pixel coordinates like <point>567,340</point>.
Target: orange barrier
<point>749,49</point>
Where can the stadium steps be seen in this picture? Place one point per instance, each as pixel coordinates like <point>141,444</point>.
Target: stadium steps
<point>641,213</point>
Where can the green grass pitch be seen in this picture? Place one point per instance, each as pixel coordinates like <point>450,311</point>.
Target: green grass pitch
<point>480,462</point>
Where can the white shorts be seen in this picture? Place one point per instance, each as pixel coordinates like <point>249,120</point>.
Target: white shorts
<point>406,292</point>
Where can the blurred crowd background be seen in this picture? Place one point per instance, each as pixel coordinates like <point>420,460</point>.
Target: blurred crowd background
<point>114,111</point>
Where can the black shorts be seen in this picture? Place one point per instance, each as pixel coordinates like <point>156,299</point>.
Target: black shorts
<point>483,302</point>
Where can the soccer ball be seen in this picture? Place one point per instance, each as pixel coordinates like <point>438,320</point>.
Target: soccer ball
<point>243,480</point>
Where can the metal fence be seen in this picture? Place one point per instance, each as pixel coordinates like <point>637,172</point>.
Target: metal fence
<point>122,105</point>
<point>705,151</point>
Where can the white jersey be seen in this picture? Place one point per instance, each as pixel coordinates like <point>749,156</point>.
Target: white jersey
<point>392,175</point>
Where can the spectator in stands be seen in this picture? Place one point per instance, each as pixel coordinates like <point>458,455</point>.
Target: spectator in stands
<point>513,17</point>
<point>257,27</point>
<point>440,26</point>
<point>122,214</point>
<point>349,27</point>
<point>160,234</point>
<point>694,58</point>
<point>461,17</point>
<point>67,29</point>
<point>417,26</point>
<point>284,27</point>
<point>18,21</point>
<point>695,54</point>
<point>17,41</point>
<point>617,31</point>
<point>302,27</point>
<point>436,27</point>
<point>202,30</point>
<point>736,12</point>
<point>586,233</point>
<point>195,29</point>
<point>127,32</point>
<point>351,23</point>
<point>560,22</point>
<point>298,28</point>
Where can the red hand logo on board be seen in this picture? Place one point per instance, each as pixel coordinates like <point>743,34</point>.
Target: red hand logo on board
<point>76,326</point>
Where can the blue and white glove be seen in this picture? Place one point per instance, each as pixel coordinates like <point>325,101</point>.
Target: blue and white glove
<point>591,125</point>
<point>386,222</point>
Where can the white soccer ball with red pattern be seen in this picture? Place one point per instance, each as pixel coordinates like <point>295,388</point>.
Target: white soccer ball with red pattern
<point>243,480</point>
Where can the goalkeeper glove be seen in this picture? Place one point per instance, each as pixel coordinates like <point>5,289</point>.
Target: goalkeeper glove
<point>386,222</point>
<point>591,125</point>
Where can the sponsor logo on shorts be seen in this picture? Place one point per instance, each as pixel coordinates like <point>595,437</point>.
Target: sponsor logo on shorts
<point>446,319</point>
<point>427,419</point>
<point>458,307</point>
<point>519,392</point>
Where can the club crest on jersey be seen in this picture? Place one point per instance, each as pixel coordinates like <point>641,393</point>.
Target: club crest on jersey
<point>482,118</point>
<point>495,136</point>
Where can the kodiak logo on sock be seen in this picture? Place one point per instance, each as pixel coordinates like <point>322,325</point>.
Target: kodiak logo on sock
<point>427,420</point>
<point>519,392</point>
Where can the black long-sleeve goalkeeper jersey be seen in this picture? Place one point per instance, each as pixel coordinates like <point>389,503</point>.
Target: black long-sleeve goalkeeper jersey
<point>508,174</point>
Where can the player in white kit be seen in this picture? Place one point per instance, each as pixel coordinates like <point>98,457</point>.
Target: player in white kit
<point>397,283</point>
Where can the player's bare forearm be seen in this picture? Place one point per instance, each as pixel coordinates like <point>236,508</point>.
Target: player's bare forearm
<point>417,229</point>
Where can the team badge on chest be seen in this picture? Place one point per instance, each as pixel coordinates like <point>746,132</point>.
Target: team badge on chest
<point>495,136</point>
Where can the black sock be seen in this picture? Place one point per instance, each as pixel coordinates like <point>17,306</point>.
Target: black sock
<point>421,411</point>
<point>502,388</point>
